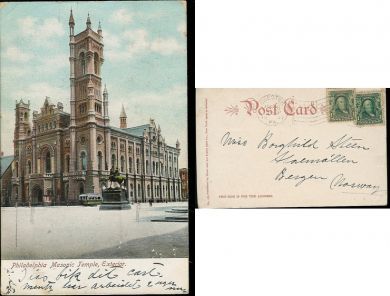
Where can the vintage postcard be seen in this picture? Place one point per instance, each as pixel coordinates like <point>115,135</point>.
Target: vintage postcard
<point>94,178</point>
<point>291,147</point>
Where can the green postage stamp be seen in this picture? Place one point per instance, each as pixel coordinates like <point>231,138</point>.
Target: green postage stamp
<point>369,108</point>
<point>341,104</point>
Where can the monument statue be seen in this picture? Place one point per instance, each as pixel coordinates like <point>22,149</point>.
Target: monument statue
<point>115,196</point>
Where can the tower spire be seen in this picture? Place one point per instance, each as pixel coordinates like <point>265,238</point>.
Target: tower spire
<point>100,29</point>
<point>71,24</point>
<point>122,118</point>
<point>71,19</point>
<point>88,22</point>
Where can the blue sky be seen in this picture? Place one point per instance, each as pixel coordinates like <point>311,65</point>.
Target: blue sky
<point>145,65</point>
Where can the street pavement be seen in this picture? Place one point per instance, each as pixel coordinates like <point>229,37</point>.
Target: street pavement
<point>85,232</point>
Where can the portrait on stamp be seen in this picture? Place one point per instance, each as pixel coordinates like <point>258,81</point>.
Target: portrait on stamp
<point>369,108</point>
<point>341,105</point>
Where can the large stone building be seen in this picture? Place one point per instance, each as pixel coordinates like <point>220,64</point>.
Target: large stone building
<point>58,156</point>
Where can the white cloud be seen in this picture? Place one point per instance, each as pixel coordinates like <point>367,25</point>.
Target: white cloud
<point>14,72</point>
<point>121,16</point>
<point>51,64</point>
<point>138,42</point>
<point>166,46</point>
<point>111,40</point>
<point>36,93</point>
<point>41,30</point>
<point>182,28</point>
<point>17,55</point>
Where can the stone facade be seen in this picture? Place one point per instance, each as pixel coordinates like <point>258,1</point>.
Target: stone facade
<point>59,156</point>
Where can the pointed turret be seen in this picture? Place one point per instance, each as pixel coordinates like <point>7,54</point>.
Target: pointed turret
<point>88,22</point>
<point>100,29</point>
<point>71,19</point>
<point>122,118</point>
<point>177,144</point>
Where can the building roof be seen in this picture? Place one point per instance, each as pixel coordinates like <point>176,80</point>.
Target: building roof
<point>137,131</point>
<point>5,162</point>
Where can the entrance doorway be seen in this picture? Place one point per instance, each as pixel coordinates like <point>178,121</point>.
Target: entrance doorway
<point>37,195</point>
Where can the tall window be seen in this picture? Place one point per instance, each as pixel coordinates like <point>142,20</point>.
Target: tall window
<point>130,164</point>
<point>137,165</point>
<point>29,167</point>
<point>67,162</point>
<point>100,160</point>
<point>122,163</point>
<point>147,167</point>
<point>82,63</point>
<point>113,161</point>
<point>148,190</point>
<point>17,169</point>
<point>81,188</point>
<point>139,190</point>
<point>48,162</point>
<point>83,160</point>
<point>131,190</point>
<point>96,63</point>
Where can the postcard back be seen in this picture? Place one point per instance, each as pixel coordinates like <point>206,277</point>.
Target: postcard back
<point>291,147</point>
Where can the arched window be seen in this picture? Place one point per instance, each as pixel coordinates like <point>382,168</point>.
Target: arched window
<point>25,116</point>
<point>113,161</point>
<point>29,166</point>
<point>17,169</point>
<point>154,168</point>
<point>83,160</point>
<point>122,163</point>
<point>131,190</point>
<point>96,63</point>
<point>48,162</point>
<point>158,191</point>
<point>67,163</point>
<point>130,164</point>
<point>82,63</point>
<point>137,165</point>
<point>81,188</point>
<point>148,190</point>
<point>147,167</point>
<point>100,160</point>
<point>139,190</point>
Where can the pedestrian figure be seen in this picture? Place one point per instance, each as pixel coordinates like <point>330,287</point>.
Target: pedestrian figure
<point>150,202</point>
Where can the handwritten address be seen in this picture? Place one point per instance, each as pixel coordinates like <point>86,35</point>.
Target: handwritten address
<point>294,153</point>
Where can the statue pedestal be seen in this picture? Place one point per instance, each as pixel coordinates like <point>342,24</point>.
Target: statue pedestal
<point>114,199</point>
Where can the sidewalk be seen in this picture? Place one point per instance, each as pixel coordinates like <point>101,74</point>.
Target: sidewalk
<point>71,232</point>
